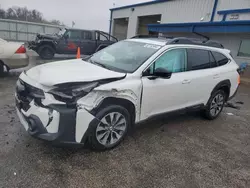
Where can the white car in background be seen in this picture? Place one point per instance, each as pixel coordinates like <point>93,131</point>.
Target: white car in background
<point>12,55</point>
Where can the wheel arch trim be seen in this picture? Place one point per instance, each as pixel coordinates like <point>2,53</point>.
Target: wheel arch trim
<point>117,101</point>
<point>224,83</point>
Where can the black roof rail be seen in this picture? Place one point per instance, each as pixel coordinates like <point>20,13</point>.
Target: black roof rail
<point>144,36</point>
<point>195,41</point>
<point>152,36</point>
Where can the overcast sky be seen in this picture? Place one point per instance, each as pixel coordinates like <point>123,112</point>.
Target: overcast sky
<point>88,14</point>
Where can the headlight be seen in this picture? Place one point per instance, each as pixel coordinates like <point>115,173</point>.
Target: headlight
<point>70,93</point>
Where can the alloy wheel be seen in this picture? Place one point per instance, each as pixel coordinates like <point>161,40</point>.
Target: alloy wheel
<point>216,104</point>
<point>111,129</point>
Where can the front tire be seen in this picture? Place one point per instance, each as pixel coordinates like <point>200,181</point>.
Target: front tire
<point>215,105</point>
<point>46,52</point>
<point>111,129</point>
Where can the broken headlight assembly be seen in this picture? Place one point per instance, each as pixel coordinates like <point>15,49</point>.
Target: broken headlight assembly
<point>71,92</point>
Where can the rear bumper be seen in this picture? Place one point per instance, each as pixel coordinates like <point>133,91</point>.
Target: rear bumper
<point>17,61</point>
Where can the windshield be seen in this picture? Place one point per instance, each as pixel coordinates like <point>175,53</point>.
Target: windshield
<point>124,56</point>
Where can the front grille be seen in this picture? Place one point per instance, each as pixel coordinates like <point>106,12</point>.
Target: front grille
<point>26,93</point>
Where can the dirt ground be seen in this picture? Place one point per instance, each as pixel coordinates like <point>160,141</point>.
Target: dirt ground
<point>177,151</point>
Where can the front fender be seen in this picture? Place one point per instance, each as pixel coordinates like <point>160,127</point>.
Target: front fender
<point>94,99</point>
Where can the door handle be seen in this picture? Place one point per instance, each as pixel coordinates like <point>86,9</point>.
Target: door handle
<point>186,81</point>
<point>216,76</point>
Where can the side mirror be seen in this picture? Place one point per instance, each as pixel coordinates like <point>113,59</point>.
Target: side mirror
<point>162,73</point>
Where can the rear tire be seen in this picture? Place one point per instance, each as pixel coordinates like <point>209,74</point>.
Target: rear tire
<point>46,52</point>
<point>112,128</point>
<point>215,105</point>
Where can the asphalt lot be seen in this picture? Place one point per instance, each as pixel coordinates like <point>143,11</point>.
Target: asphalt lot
<point>177,151</point>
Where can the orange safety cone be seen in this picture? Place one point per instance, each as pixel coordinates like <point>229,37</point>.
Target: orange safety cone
<point>78,54</point>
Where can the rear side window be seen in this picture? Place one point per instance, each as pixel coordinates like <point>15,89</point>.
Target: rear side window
<point>198,59</point>
<point>221,59</point>
<point>87,35</point>
<point>174,61</point>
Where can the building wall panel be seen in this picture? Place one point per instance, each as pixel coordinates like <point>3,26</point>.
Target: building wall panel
<point>182,11</point>
<point>175,11</point>
<point>232,42</point>
<point>231,5</point>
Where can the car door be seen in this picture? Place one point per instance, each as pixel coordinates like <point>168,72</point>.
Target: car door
<point>73,41</point>
<point>202,75</point>
<point>88,43</point>
<point>162,95</point>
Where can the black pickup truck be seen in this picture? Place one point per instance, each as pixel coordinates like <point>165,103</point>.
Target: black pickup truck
<point>66,41</point>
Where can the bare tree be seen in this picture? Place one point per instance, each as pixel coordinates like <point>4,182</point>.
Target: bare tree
<point>2,13</point>
<point>22,13</point>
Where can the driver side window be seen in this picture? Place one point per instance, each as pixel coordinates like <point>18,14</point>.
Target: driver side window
<point>173,61</point>
<point>74,34</point>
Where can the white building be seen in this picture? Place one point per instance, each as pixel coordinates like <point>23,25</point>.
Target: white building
<point>227,21</point>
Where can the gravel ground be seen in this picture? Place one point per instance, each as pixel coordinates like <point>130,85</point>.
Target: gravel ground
<point>176,151</point>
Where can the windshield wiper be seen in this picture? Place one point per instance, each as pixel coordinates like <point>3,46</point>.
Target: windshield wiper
<point>99,64</point>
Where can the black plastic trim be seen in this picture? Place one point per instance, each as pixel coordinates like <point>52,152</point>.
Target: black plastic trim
<point>234,94</point>
<point>182,110</point>
<point>222,84</point>
<point>67,123</point>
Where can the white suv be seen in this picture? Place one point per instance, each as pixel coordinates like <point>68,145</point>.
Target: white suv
<point>100,98</point>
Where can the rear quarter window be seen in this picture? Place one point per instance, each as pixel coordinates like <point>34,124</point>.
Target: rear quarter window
<point>220,58</point>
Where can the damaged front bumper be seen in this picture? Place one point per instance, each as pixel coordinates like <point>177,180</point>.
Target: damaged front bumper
<point>57,123</point>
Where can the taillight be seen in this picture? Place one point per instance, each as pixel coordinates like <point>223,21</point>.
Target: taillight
<point>21,50</point>
<point>239,79</point>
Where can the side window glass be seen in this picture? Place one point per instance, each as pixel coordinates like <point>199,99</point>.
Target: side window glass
<point>198,59</point>
<point>221,59</point>
<point>213,62</point>
<point>173,61</point>
<point>74,34</point>
<point>86,35</point>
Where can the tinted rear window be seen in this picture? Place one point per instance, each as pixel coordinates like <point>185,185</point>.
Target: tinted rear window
<point>221,59</point>
<point>198,59</point>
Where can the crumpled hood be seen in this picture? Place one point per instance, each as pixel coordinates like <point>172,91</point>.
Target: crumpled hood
<point>69,71</point>
<point>47,36</point>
